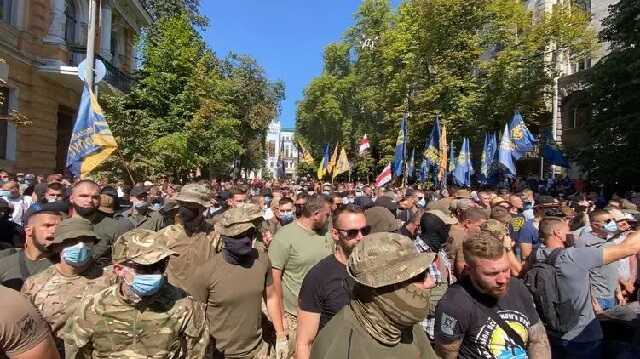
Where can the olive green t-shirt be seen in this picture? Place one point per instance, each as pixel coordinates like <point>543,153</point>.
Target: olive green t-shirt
<point>234,303</point>
<point>344,338</point>
<point>294,250</point>
<point>16,268</point>
<point>21,326</point>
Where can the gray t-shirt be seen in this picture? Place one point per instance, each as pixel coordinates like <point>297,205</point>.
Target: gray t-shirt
<point>573,267</point>
<point>16,268</point>
<point>604,279</point>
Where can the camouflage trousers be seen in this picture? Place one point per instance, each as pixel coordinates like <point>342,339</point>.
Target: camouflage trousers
<point>292,328</point>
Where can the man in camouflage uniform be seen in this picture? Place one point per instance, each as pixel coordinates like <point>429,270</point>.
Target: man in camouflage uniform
<point>192,238</point>
<point>141,316</point>
<point>237,278</point>
<point>57,291</point>
<point>140,215</point>
<point>390,298</point>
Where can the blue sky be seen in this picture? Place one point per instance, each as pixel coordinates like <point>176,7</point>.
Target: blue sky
<point>287,37</point>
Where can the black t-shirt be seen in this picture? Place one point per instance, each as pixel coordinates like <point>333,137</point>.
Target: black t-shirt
<point>459,317</point>
<point>325,289</point>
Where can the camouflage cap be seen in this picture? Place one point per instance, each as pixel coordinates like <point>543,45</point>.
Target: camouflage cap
<point>195,193</point>
<point>494,227</point>
<point>239,220</point>
<point>382,259</point>
<point>73,228</point>
<point>141,246</point>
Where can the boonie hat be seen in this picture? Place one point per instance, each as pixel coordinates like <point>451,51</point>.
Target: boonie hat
<point>140,246</point>
<point>382,259</point>
<point>72,228</point>
<point>195,193</point>
<point>239,220</point>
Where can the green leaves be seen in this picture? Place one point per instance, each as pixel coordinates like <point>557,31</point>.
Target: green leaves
<point>190,110</point>
<point>471,62</point>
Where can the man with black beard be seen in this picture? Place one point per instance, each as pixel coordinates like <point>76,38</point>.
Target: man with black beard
<point>327,287</point>
<point>33,259</point>
<point>85,200</point>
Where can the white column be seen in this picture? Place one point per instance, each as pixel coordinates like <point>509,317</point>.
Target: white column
<point>105,31</point>
<point>58,22</point>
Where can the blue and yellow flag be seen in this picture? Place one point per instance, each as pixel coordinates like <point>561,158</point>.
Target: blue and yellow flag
<point>463,171</point>
<point>401,149</point>
<point>523,140</point>
<point>91,141</point>
<point>505,152</point>
<point>322,169</point>
<point>432,151</point>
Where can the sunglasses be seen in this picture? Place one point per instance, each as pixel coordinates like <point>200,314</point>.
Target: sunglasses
<point>352,233</point>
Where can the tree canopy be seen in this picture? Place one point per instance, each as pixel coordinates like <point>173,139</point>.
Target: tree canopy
<point>473,63</point>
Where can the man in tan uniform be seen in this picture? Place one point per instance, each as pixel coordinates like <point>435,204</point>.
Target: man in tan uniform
<point>193,239</point>
<point>57,291</point>
<point>23,332</point>
<point>141,316</point>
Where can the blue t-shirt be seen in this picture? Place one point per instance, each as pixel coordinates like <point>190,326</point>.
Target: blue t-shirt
<point>523,231</point>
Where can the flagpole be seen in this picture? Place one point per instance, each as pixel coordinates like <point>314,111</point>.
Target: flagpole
<point>91,44</point>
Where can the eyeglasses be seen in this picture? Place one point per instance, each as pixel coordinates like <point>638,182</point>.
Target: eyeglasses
<point>352,233</point>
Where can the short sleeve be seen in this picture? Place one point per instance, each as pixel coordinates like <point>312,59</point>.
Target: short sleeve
<point>586,258</point>
<point>269,277</point>
<point>22,327</point>
<point>451,320</point>
<point>279,252</point>
<point>309,298</point>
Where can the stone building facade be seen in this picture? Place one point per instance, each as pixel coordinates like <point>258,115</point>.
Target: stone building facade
<point>42,42</point>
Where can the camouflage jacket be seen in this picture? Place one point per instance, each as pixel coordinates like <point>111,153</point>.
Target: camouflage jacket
<point>168,326</point>
<point>57,296</point>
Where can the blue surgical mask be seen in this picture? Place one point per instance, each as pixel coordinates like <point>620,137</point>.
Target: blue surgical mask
<point>286,218</point>
<point>76,255</point>
<point>422,203</point>
<point>611,227</point>
<point>145,285</point>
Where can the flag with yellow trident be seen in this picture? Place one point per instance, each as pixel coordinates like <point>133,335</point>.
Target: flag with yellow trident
<point>342,165</point>
<point>306,156</point>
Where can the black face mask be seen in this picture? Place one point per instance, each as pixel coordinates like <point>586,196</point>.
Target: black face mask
<point>237,250</point>
<point>188,214</point>
<point>84,212</point>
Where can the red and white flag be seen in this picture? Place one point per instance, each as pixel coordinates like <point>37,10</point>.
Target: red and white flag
<point>384,177</point>
<point>364,143</point>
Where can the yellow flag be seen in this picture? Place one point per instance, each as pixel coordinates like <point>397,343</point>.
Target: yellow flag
<point>333,160</point>
<point>342,165</point>
<point>444,154</point>
<point>306,156</point>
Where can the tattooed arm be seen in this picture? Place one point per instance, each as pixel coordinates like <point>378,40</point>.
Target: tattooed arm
<point>538,342</point>
<point>448,351</point>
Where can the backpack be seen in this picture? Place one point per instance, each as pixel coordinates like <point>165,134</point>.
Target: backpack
<point>556,312</point>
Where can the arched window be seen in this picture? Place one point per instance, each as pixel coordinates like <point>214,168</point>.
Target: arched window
<point>71,21</point>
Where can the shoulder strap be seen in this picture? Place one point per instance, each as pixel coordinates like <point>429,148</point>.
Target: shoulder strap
<point>501,323</point>
<point>553,256</point>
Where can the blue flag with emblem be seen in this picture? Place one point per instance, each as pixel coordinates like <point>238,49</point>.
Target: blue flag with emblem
<point>552,152</point>
<point>411,168</point>
<point>91,140</point>
<point>523,140</point>
<point>401,149</point>
<point>488,159</point>
<point>462,172</point>
<point>505,152</point>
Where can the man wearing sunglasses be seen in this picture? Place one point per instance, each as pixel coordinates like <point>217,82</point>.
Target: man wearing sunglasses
<point>141,315</point>
<point>326,288</point>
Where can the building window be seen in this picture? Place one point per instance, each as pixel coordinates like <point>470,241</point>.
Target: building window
<point>4,120</point>
<point>576,116</point>
<point>6,11</point>
<point>71,22</point>
<point>581,65</point>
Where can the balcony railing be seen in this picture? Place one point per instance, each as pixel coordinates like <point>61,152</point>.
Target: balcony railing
<point>115,77</point>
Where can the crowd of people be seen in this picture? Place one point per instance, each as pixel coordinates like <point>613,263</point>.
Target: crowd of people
<point>285,269</point>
